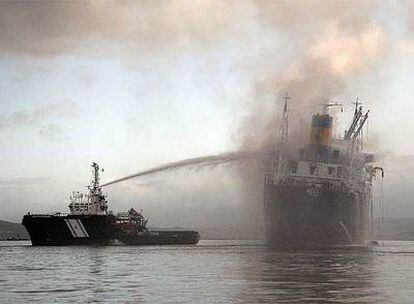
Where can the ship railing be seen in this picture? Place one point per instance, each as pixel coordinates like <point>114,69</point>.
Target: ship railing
<point>345,161</point>
<point>316,177</point>
<point>59,214</point>
<point>340,184</point>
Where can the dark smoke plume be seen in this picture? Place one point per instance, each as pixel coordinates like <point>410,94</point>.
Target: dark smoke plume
<point>333,43</point>
<point>128,29</point>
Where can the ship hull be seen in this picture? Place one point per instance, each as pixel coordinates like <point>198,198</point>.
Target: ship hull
<point>57,230</point>
<point>309,217</point>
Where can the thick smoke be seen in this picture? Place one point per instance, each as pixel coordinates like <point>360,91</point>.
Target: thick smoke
<point>129,29</point>
<point>333,43</point>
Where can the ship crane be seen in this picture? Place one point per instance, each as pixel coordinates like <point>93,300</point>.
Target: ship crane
<point>351,130</point>
<point>357,117</point>
<point>360,126</point>
<point>355,134</point>
<point>355,129</point>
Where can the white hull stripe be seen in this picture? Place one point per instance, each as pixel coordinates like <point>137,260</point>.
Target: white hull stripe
<point>76,228</point>
<point>83,228</point>
<point>70,228</point>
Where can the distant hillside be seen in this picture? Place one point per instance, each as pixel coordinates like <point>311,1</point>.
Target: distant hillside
<point>12,230</point>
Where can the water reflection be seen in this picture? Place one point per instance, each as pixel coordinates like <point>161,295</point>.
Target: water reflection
<point>108,277</point>
<point>310,277</point>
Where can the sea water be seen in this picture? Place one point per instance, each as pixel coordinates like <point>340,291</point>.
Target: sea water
<point>210,272</point>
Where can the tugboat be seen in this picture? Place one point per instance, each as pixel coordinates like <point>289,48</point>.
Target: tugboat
<point>90,223</point>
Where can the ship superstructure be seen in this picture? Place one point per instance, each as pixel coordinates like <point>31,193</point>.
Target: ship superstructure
<point>93,202</point>
<point>321,194</point>
<point>90,223</point>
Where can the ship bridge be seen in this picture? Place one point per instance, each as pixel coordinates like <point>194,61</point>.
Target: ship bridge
<point>93,202</point>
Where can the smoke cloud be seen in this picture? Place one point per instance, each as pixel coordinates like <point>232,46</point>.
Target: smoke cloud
<point>333,43</point>
<point>124,28</point>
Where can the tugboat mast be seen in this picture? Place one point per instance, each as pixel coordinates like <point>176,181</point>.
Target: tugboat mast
<point>95,175</point>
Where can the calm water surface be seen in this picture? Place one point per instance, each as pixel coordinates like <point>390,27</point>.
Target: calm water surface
<point>211,272</point>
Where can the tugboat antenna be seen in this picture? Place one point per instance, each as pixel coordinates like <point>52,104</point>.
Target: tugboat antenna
<point>95,172</point>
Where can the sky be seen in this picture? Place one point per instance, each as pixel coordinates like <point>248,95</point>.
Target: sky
<point>135,84</point>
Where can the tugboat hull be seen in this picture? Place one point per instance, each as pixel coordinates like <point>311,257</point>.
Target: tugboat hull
<point>58,230</point>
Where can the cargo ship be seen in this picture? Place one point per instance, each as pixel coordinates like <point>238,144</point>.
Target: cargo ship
<point>90,223</point>
<point>320,194</point>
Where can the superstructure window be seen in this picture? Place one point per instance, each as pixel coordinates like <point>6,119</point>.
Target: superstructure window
<point>301,154</point>
<point>312,170</point>
<point>331,170</point>
<point>342,173</point>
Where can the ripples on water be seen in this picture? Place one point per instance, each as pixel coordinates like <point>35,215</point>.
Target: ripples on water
<point>211,272</point>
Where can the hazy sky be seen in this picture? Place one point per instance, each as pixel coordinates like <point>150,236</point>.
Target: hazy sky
<point>134,84</point>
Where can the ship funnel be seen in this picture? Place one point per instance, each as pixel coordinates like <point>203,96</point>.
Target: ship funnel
<point>321,131</point>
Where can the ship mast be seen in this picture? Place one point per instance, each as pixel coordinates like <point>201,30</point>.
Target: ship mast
<point>284,123</point>
<point>283,137</point>
<point>92,203</point>
<point>95,176</point>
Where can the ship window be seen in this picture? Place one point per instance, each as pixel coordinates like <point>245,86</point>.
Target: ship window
<point>331,170</point>
<point>312,170</point>
<point>301,154</point>
<point>336,153</point>
<point>369,158</point>
<point>342,172</point>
